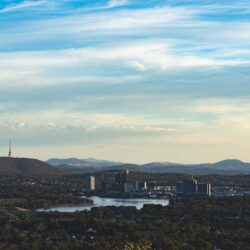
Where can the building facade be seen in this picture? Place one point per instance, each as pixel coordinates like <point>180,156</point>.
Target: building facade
<point>204,189</point>
<point>90,183</point>
<point>192,187</point>
<point>122,177</point>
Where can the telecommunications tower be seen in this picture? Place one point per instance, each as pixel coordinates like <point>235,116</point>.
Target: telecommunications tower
<point>10,148</point>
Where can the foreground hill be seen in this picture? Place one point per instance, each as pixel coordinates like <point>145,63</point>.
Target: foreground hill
<point>27,166</point>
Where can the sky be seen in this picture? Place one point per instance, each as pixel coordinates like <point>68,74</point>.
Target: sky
<point>126,80</point>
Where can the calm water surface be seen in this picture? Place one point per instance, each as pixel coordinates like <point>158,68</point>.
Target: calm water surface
<point>102,202</point>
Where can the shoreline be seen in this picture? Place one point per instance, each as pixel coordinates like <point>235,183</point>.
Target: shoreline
<point>126,197</point>
<point>65,205</point>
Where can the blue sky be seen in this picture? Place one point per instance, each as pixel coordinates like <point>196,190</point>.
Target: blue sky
<point>127,80</point>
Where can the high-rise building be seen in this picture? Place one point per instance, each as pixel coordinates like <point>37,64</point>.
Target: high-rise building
<point>190,186</point>
<point>179,187</point>
<point>128,187</point>
<point>122,177</point>
<point>90,183</point>
<point>141,186</point>
<point>103,186</point>
<point>204,189</point>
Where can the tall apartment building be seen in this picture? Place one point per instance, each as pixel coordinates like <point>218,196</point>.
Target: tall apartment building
<point>141,186</point>
<point>90,183</point>
<point>122,177</point>
<point>179,187</point>
<point>204,188</point>
<point>192,187</point>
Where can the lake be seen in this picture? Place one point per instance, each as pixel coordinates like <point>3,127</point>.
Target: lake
<point>102,202</point>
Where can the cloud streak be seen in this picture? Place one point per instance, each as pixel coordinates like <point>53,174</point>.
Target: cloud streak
<point>117,3</point>
<point>57,66</point>
<point>24,5</point>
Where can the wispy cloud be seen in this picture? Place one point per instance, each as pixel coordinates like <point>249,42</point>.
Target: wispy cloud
<point>117,3</point>
<point>23,5</point>
<point>40,68</point>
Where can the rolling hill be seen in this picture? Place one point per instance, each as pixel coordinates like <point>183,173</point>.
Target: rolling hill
<point>27,166</point>
<point>82,163</point>
<point>225,167</point>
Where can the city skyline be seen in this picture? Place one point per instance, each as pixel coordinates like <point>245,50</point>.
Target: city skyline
<point>125,80</point>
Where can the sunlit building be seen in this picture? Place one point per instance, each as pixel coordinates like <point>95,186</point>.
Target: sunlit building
<point>204,188</point>
<point>90,183</point>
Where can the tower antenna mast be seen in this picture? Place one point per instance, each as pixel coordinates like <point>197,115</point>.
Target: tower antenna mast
<point>10,145</point>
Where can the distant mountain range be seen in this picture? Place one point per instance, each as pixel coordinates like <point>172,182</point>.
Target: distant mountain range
<point>82,166</point>
<point>90,165</point>
<point>27,166</point>
<point>81,163</point>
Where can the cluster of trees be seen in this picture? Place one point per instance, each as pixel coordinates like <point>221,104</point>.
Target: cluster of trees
<point>33,192</point>
<point>189,223</point>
